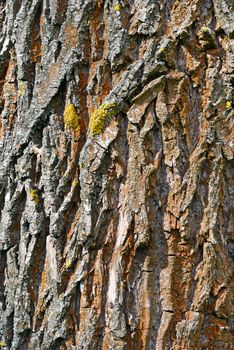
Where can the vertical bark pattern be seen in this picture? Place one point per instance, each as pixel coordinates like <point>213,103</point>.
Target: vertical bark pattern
<point>122,240</point>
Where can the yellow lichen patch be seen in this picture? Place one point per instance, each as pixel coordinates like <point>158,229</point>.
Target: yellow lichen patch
<point>68,264</point>
<point>34,195</point>
<point>71,119</point>
<point>74,183</point>
<point>2,344</point>
<point>117,7</point>
<point>205,29</point>
<point>100,116</point>
<point>228,105</point>
<point>21,88</point>
<point>161,49</point>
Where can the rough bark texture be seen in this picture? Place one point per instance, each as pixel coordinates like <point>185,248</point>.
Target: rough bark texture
<point>122,240</point>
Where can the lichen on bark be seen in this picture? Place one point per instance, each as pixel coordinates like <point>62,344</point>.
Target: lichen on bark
<point>124,240</point>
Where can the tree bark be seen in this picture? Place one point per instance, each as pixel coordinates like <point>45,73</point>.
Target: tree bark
<point>116,174</point>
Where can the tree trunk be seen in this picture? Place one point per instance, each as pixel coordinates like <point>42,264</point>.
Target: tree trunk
<point>116,174</point>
